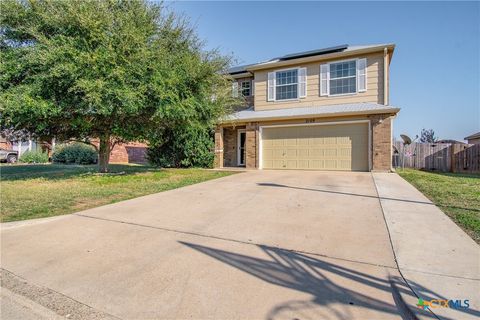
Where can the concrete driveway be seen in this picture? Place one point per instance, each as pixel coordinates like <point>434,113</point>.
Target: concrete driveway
<point>255,245</point>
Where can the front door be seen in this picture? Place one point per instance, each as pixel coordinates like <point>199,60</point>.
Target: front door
<point>241,148</point>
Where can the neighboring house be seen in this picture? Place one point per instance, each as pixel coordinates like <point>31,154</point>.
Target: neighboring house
<point>473,139</point>
<point>5,144</point>
<point>324,109</point>
<point>24,146</point>
<point>130,152</point>
<point>127,152</point>
<point>449,141</point>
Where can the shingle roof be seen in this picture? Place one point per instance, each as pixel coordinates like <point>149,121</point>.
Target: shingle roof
<point>239,69</point>
<point>473,136</point>
<point>310,112</point>
<point>340,48</point>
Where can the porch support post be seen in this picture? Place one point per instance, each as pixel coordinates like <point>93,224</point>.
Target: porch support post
<point>218,162</point>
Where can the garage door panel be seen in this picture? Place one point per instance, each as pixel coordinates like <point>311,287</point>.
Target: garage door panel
<point>303,153</point>
<point>304,142</point>
<point>344,140</point>
<point>331,164</point>
<point>291,164</point>
<point>268,154</point>
<point>303,164</point>
<point>320,164</point>
<point>345,152</point>
<point>278,143</point>
<point>345,164</point>
<point>317,153</point>
<point>291,153</point>
<point>278,153</point>
<point>330,152</point>
<point>319,147</point>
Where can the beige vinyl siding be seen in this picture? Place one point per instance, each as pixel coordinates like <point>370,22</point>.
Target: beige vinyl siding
<point>316,147</point>
<point>373,94</point>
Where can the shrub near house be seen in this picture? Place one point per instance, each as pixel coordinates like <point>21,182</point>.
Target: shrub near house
<point>34,157</point>
<point>189,146</point>
<point>78,153</point>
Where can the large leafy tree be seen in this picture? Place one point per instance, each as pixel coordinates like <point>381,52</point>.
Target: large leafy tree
<point>105,69</point>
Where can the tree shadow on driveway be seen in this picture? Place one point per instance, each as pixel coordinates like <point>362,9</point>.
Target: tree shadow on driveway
<point>310,275</point>
<point>276,185</point>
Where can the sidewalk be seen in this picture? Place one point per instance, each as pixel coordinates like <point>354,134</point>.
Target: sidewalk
<point>431,250</point>
<point>14,306</point>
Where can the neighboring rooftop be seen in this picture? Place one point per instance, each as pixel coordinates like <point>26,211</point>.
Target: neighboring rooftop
<point>473,136</point>
<point>450,141</point>
<point>344,48</point>
<point>311,112</point>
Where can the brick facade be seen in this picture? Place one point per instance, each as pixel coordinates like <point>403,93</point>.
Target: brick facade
<point>131,152</point>
<point>230,147</point>
<point>381,126</point>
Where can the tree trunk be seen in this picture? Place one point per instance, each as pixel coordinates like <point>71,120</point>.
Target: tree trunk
<point>104,154</point>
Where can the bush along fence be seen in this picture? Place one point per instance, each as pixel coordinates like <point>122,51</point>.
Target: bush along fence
<point>445,157</point>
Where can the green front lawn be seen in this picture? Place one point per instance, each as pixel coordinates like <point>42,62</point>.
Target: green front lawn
<point>458,195</point>
<point>35,191</point>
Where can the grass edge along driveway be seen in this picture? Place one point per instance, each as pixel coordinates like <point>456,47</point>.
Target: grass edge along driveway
<point>456,194</point>
<point>38,191</point>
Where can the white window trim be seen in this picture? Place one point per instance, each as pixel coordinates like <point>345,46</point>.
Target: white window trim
<point>356,79</point>
<point>370,143</point>
<point>282,85</point>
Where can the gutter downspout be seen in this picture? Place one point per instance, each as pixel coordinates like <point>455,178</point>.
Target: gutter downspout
<point>385,77</point>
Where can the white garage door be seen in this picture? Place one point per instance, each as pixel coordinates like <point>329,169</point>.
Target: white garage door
<point>316,147</point>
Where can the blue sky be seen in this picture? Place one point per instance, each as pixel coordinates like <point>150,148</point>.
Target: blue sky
<point>435,71</point>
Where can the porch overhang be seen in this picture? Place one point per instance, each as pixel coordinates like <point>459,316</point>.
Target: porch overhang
<point>338,110</point>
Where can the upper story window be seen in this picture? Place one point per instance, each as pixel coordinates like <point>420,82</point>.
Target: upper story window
<point>343,77</point>
<point>286,84</point>
<point>246,88</point>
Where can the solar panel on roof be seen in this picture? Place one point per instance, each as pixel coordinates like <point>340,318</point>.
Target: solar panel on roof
<point>314,52</point>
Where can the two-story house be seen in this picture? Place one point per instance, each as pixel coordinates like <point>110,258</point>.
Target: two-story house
<point>324,109</point>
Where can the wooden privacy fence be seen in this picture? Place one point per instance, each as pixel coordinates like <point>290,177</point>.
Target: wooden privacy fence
<point>466,158</point>
<point>446,157</point>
